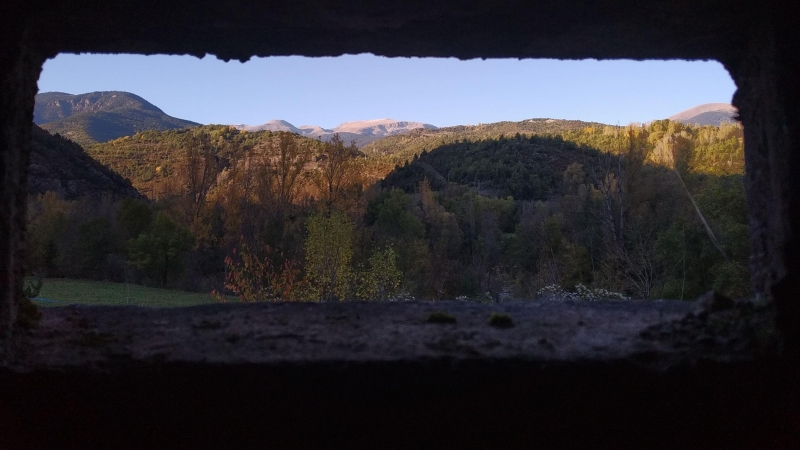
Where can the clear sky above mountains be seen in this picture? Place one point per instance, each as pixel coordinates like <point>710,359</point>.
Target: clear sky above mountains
<point>442,92</point>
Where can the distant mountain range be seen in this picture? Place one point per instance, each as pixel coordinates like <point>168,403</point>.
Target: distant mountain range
<point>707,114</point>
<point>362,132</point>
<point>100,116</point>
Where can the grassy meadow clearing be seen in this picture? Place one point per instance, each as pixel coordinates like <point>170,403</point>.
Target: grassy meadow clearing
<point>63,291</point>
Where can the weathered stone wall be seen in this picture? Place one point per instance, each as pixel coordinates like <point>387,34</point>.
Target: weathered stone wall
<point>756,42</point>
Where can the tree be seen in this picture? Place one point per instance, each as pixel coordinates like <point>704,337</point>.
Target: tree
<point>257,278</point>
<point>47,224</point>
<point>329,250</point>
<point>96,240</point>
<point>281,161</point>
<point>290,158</point>
<point>135,217</point>
<point>337,170</point>
<point>393,222</point>
<point>199,173</point>
<point>617,179</point>
<point>381,279</point>
<point>159,253</point>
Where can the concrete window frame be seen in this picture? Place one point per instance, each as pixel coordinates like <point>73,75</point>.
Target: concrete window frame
<point>756,43</point>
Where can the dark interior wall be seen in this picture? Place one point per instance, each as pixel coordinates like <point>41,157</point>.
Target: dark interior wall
<point>19,70</point>
<point>405,406</point>
<point>756,42</point>
<point>768,99</point>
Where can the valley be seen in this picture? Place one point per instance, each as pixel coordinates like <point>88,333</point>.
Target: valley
<point>489,212</point>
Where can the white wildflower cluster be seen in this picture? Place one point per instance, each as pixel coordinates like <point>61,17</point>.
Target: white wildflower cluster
<point>553,292</point>
<point>401,297</point>
<point>480,298</point>
<point>584,293</point>
<point>556,292</point>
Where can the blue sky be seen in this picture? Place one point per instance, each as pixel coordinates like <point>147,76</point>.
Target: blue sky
<point>443,92</point>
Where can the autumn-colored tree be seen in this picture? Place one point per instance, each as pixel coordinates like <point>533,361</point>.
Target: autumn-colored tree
<point>289,158</point>
<point>238,198</point>
<point>281,174</point>
<point>269,276</point>
<point>199,172</point>
<point>337,170</point>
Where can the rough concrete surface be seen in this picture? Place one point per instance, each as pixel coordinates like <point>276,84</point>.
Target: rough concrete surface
<point>381,377</point>
<point>565,375</point>
<point>756,42</point>
<point>120,338</point>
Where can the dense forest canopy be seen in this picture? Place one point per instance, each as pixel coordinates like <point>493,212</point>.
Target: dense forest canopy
<point>508,210</point>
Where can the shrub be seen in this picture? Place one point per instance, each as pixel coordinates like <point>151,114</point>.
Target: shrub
<point>441,317</point>
<point>500,320</point>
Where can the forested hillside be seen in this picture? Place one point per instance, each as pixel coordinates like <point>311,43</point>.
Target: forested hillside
<point>153,160</point>
<point>525,168</point>
<point>654,210</point>
<point>516,210</point>
<point>403,147</point>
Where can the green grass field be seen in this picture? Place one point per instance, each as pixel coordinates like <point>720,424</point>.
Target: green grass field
<point>61,291</point>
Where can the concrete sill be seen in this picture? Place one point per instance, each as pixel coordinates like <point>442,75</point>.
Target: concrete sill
<point>656,334</point>
<point>366,375</point>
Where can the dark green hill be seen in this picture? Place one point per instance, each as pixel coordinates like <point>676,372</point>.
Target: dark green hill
<point>401,148</point>
<point>100,116</point>
<point>524,167</point>
<point>61,166</point>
